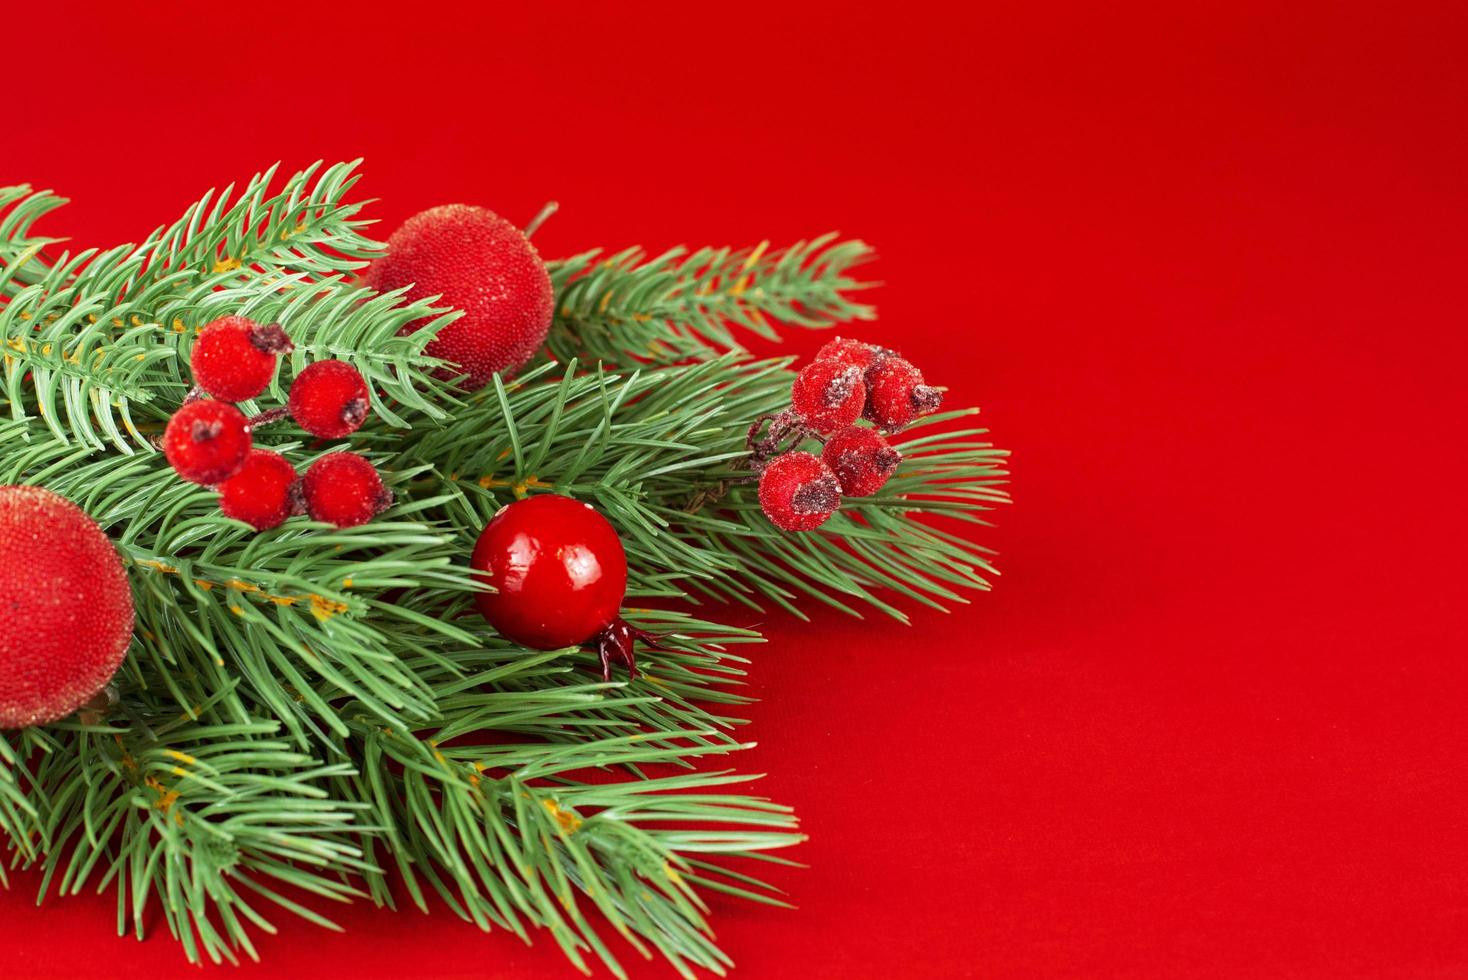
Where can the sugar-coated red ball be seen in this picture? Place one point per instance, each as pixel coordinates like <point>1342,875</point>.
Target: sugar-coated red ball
<point>480,263</point>
<point>844,350</point>
<point>329,399</point>
<point>67,608</point>
<point>344,489</point>
<point>861,459</point>
<point>896,394</point>
<point>207,441</point>
<point>828,394</point>
<point>264,492</point>
<point>557,568</point>
<point>798,492</point>
<point>234,357</point>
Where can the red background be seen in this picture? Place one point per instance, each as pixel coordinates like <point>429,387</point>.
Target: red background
<point>1204,270</point>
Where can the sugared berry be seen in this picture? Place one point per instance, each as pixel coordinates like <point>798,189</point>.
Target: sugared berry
<point>798,492</point>
<point>329,399</point>
<point>861,459</point>
<point>828,395</point>
<point>344,489</point>
<point>846,351</point>
<point>264,492</point>
<point>896,394</point>
<point>207,441</point>
<point>234,357</point>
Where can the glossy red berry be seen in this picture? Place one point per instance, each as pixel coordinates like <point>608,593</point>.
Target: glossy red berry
<point>558,570</point>
<point>798,492</point>
<point>207,441</point>
<point>234,358</point>
<point>344,489</point>
<point>828,395</point>
<point>896,394</point>
<point>861,459</point>
<point>67,608</point>
<point>264,492</point>
<point>480,263</point>
<point>846,351</point>
<point>329,399</point>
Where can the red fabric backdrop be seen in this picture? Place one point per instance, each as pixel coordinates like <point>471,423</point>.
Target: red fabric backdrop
<point>1204,271</point>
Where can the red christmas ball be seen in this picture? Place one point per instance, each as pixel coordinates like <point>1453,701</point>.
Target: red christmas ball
<point>68,612</point>
<point>798,492</point>
<point>828,394</point>
<point>896,394</point>
<point>558,570</point>
<point>329,399</point>
<point>861,459</point>
<point>480,263</point>
<point>264,492</point>
<point>234,358</point>
<point>344,489</point>
<point>207,441</point>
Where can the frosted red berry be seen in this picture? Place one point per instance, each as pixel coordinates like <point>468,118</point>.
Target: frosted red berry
<point>344,489</point>
<point>234,357</point>
<point>896,394</point>
<point>798,492</point>
<point>480,263</point>
<point>67,608</point>
<point>207,441</point>
<point>264,492</point>
<point>843,350</point>
<point>329,399</point>
<point>828,394</point>
<point>861,459</point>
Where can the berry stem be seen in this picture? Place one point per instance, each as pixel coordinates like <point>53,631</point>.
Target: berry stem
<point>267,417</point>
<point>551,207</point>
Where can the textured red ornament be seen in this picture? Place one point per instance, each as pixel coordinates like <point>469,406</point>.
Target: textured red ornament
<point>483,265</point>
<point>329,399</point>
<point>843,350</point>
<point>344,489</point>
<point>861,459</point>
<point>828,394</point>
<point>264,492</point>
<point>798,492</point>
<point>234,357</point>
<point>68,612</point>
<point>896,394</point>
<point>559,574</point>
<point>207,441</point>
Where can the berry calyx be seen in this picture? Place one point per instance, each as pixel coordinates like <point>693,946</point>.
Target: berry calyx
<point>861,459</point>
<point>207,441</point>
<point>68,610</point>
<point>559,574</point>
<point>828,394</point>
<point>843,350</point>
<point>329,399</point>
<point>480,263</point>
<point>798,492</point>
<point>264,492</point>
<point>344,489</point>
<point>234,357</point>
<point>896,394</point>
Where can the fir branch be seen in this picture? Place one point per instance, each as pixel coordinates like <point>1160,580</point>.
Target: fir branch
<point>20,251</point>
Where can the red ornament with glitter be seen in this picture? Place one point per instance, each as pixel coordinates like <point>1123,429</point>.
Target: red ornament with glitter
<point>234,357</point>
<point>329,399</point>
<point>344,489</point>
<point>798,492</point>
<point>264,492</point>
<point>207,441</point>
<point>861,459</point>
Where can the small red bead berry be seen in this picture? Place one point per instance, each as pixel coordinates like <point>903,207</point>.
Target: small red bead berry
<point>234,358</point>
<point>264,492</point>
<point>344,489</point>
<point>861,459</point>
<point>207,441</point>
<point>828,395</point>
<point>896,394</point>
<point>329,399</point>
<point>798,492</point>
<point>847,351</point>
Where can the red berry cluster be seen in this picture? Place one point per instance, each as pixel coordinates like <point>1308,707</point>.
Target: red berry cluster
<point>847,381</point>
<point>209,441</point>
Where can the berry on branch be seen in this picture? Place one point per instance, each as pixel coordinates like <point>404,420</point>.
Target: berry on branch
<point>798,492</point>
<point>329,399</point>
<point>896,394</point>
<point>480,263</point>
<point>846,351</point>
<point>828,395</point>
<point>344,489</point>
<point>264,492</point>
<point>207,441</point>
<point>68,611</point>
<point>861,459</point>
<point>234,357</point>
<point>559,575</point>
